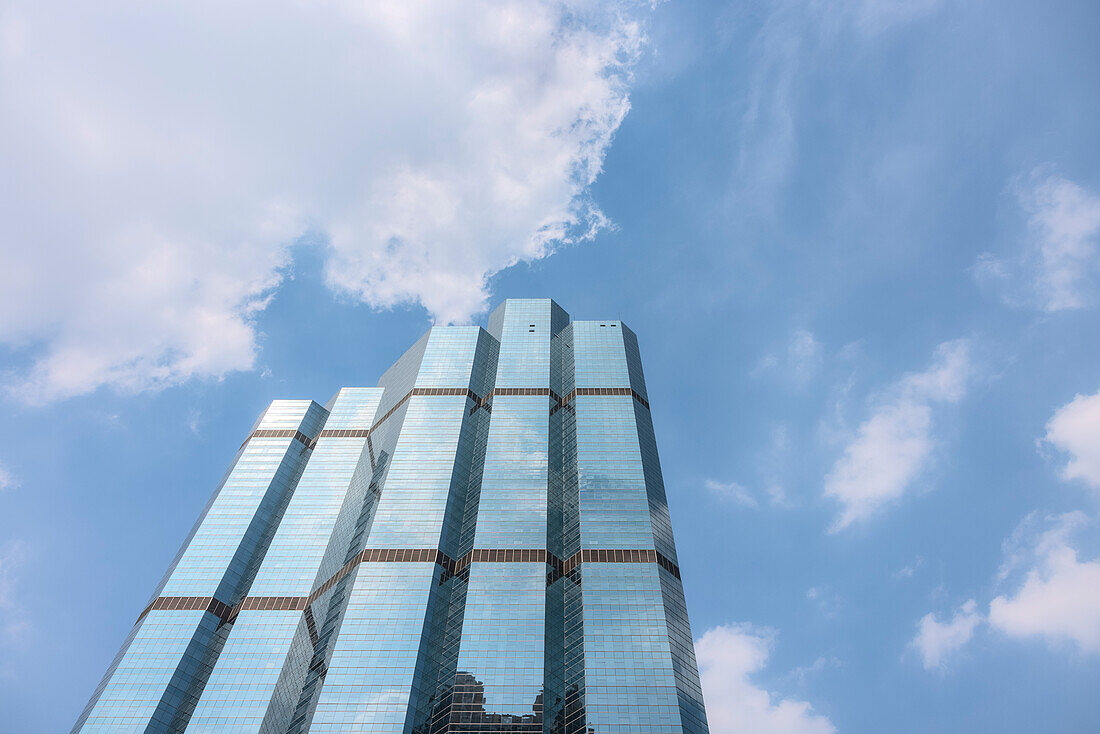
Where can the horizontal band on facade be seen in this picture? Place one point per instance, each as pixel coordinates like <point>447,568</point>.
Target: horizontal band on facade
<point>265,603</point>
<point>479,402</point>
<point>563,401</point>
<point>210,604</point>
<point>601,391</point>
<point>606,391</point>
<point>559,567</point>
<point>344,433</point>
<point>223,611</point>
<point>527,391</point>
<point>281,433</point>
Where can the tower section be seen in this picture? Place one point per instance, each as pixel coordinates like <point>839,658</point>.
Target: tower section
<point>157,678</point>
<point>625,614</point>
<point>499,633</point>
<point>259,675</point>
<point>388,653</point>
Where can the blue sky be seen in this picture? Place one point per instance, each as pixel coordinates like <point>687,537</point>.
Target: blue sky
<point>859,241</point>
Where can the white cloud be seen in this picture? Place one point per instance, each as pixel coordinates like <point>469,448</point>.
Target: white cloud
<point>730,492</point>
<point>784,56</point>
<point>878,466</point>
<point>1059,598</point>
<point>1065,221</point>
<point>936,640</point>
<point>776,464</point>
<point>1059,269</point>
<point>728,656</point>
<point>772,470</point>
<point>768,131</point>
<point>194,421</point>
<point>777,495</point>
<point>804,355</point>
<point>828,602</point>
<point>1054,595</point>
<point>801,361</point>
<point>7,481</point>
<point>1075,429</point>
<point>876,16</point>
<point>906,572</point>
<point>162,159</point>
<point>892,446</point>
<point>13,622</point>
<point>803,673</point>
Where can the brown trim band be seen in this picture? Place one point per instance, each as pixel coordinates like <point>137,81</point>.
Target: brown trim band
<point>561,402</point>
<point>529,391</point>
<point>281,433</point>
<point>218,608</point>
<point>573,394</point>
<point>606,391</point>
<point>227,613</point>
<point>267,603</point>
<point>344,433</point>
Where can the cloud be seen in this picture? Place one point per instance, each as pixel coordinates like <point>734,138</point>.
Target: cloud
<point>804,355</point>
<point>776,463</point>
<point>730,492</point>
<point>1059,268</point>
<point>828,602</point>
<point>879,465</point>
<point>1055,596</point>
<point>194,421</point>
<point>936,640</point>
<point>803,673</point>
<point>7,481</point>
<point>777,495</point>
<point>1065,222</point>
<point>801,361</point>
<point>1059,597</point>
<point>13,622</point>
<point>906,572</point>
<point>1075,429</point>
<point>877,16</point>
<point>768,132</point>
<point>161,164</point>
<point>728,656</point>
<point>772,470</point>
<point>892,446</point>
<point>785,55</point>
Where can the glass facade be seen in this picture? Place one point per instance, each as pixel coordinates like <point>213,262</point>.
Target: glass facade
<point>479,544</point>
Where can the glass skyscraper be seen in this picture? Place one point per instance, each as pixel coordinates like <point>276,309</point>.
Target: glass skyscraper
<point>479,544</point>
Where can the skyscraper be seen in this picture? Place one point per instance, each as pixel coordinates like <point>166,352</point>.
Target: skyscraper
<point>479,544</point>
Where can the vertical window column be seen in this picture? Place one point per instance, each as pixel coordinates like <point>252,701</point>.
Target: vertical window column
<point>158,678</point>
<point>621,505</point>
<point>387,650</point>
<point>499,677</point>
<point>260,673</point>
